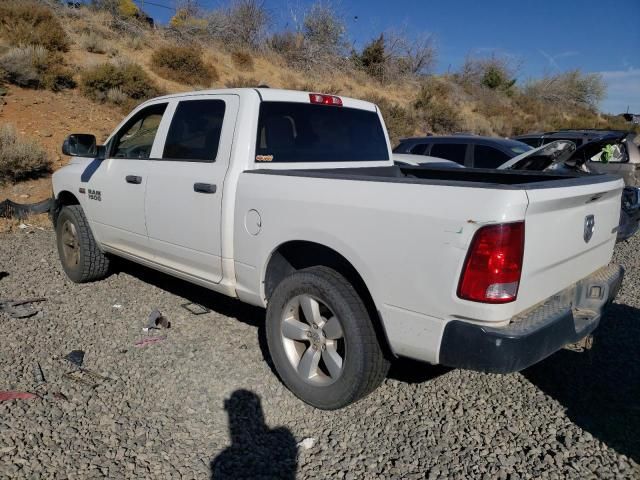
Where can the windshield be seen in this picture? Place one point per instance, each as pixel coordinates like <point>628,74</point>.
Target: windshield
<point>302,132</point>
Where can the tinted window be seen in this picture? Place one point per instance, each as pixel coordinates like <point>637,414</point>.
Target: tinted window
<point>300,132</point>
<point>450,151</point>
<point>419,149</point>
<point>488,157</point>
<point>135,139</point>
<point>195,131</point>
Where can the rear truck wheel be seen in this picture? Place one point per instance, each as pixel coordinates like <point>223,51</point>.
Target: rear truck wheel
<point>322,341</point>
<point>81,258</point>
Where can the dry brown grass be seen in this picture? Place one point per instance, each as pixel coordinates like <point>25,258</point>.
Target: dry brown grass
<point>242,82</point>
<point>32,222</point>
<point>242,60</point>
<point>26,22</point>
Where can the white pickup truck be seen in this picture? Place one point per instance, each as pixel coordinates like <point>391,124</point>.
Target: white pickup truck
<point>291,201</point>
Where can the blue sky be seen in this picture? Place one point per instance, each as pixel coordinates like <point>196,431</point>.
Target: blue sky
<point>543,36</point>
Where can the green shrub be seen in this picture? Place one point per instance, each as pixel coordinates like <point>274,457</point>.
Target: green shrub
<point>20,158</point>
<point>129,78</point>
<point>183,65</point>
<point>33,66</point>
<point>373,58</point>
<point>31,23</point>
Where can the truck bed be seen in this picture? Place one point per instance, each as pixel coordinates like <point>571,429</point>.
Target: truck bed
<point>474,178</point>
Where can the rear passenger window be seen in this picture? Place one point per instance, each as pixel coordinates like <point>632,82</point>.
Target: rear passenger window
<point>488,157</point>
<point>449,151</point>
<point>419,149</point>
<point>194,134</point>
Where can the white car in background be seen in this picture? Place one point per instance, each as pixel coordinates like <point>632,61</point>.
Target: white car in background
<point>409,159</point>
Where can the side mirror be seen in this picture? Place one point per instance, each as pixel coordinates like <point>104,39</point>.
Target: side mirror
<point>82,145</point>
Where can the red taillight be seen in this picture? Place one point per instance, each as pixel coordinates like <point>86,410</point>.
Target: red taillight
<point>491,272</point>
<point>325,99</point>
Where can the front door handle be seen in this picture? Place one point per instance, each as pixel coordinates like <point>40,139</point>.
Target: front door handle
<point>204,188</point>
<point>133,179</point>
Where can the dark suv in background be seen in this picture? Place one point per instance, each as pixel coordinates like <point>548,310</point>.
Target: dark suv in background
<point>469,150</point>
<point>579,137</point>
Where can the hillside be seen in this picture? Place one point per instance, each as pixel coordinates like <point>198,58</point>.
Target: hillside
<point>68,70</point>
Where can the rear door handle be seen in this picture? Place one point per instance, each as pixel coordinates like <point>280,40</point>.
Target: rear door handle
<point>204,188</point>
<point>133,179</point>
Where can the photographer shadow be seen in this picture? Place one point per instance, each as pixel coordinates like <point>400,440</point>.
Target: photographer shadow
<point>255,451</point>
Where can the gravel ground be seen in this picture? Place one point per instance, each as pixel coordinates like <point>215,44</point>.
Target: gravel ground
<point>205,402</point>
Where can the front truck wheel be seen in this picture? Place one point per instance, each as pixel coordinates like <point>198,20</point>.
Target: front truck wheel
<point>81,258</point>
<point>322,340</point>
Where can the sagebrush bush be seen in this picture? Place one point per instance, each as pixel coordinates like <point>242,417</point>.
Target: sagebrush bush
<point>94,43</point>
<point>33,66</point>
<point>117,96</point>
<point>242,60</point>
<point>569,88</point>
<point>26,22</point>
<point>20,158</point>
<point>183,64</point>
<point>129,78</point>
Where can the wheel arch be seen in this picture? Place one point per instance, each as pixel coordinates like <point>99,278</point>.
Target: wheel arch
<point>64,198</point>
<point>296,255</point>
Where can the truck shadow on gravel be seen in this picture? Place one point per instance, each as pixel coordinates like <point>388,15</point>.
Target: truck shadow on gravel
<point>222,304</point>
<point>600,388</point>
<point>255,451</point>
<point>402,369</point>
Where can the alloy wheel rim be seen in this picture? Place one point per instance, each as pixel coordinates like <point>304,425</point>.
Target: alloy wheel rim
<point>313,340</point>
<point>70,244</point>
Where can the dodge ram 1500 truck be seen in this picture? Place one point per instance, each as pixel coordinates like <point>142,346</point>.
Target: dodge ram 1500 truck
<point>290,201</point>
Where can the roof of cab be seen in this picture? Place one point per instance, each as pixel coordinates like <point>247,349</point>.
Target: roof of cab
<point>272,95</point>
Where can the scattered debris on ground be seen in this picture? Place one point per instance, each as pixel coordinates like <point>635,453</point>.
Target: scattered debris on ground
<point>195,308</point>
<point>156,321</point>
<point>20,308</point>
<point>14,395</point>
<point>150,341</point>
<point>307,443</point>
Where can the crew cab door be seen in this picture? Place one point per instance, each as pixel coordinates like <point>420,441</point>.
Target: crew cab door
<point>185,185</point>
<point>115,186</point>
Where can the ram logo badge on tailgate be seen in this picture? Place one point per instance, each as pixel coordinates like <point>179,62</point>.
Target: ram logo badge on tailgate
<point>589,227</point>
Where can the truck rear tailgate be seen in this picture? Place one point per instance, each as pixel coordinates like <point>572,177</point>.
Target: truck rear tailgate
<point>570,232</point>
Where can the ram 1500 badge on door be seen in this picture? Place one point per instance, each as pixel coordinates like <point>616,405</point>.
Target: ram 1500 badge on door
<point>291,201</point>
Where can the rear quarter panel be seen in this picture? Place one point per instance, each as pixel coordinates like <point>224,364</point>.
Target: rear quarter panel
<point>407,241</point>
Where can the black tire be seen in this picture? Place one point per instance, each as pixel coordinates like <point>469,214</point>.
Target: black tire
<point>83,262</point>
<point>364,365</point>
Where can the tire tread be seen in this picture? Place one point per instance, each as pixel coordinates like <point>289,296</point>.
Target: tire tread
<point>94,263</point>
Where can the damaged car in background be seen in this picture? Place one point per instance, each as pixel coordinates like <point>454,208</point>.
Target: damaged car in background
<point>614,153</point>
